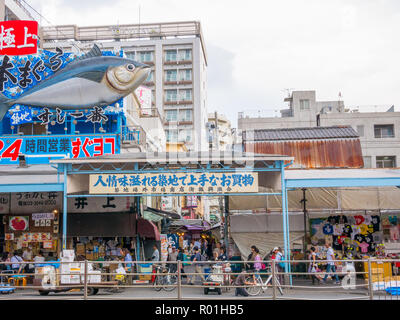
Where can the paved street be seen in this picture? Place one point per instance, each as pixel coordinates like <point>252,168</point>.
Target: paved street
<point>320,292</point>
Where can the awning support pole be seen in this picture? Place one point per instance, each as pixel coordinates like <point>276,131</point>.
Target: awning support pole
<point>284,217</point>
<point>65,208</point>
<point>226,215</point>
<point>137,200</point>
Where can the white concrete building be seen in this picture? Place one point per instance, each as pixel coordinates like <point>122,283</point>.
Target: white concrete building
<point>14,10</point>
<point>379,131</point>
<point>219,132</point>
<point>177,56</point>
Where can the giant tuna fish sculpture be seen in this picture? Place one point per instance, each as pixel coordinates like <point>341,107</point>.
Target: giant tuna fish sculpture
<point>90,80</point>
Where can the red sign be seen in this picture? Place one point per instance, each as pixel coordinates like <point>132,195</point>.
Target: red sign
<point>18,37</point>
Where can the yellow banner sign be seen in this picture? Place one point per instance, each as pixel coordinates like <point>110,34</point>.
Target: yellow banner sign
<point>174,183</point>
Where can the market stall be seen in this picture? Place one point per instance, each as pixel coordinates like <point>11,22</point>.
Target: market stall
<point>359,236</point>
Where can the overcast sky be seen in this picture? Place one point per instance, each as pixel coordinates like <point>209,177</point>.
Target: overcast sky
<point>257,49</point>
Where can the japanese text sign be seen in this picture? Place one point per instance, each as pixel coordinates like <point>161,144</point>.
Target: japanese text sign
<point>18,37</point>
<point>56,146</point>
<point>174,183</point>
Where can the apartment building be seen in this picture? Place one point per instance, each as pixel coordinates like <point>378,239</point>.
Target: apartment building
<point>176,53</point>
<point>14,10</point>
<point>219,132</point>
<point>379,131</point>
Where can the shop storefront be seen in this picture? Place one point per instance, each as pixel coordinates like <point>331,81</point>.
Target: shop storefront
<point>358,235</point>
<point>38,231</point>
<point>31,219</point>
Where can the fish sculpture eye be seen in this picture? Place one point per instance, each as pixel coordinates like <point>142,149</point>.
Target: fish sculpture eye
<point>130,67</point>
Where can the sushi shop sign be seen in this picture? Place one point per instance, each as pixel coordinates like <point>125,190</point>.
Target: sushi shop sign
<point>174,183</point>
<point>37,86</point>
<point>42,148</point>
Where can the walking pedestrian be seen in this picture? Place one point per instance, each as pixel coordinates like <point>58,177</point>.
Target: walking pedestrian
<point>257,262</point>
<point>278,264</point>
<point>330,257</point>
<point>313,266</point>
<point>173,258</point>
<point>127,266</point>
<point>181,257</point>
<point>198,267</point>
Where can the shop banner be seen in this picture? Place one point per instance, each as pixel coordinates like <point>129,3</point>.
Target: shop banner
<point>144,96</point>
<point>99,204</point>
<point>40,148</point>
<point>164,247</point>
<point>19,223</point>
<point>30,202</point>
<point>173,240</point>
<point>169,183</point>
<point>18,37</point>
<point>43,216</point>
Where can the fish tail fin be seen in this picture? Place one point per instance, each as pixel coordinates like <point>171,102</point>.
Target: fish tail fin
<point>5,104</point>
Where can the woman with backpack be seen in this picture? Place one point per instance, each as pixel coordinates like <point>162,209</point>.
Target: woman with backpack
<point>279,265</point>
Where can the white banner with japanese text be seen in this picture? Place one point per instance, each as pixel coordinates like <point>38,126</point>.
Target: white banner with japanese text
<point>174,183</point>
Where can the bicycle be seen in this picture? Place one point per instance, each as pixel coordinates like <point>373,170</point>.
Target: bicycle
<point>259,286</point>
<point>166,281</point>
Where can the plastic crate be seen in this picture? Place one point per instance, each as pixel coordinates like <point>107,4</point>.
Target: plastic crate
<point>394,291</point>
<point>145,268</point>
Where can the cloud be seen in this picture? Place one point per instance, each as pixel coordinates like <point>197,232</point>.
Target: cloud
<point>259,48</point>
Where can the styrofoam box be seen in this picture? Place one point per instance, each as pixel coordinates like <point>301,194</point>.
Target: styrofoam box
<point>75,279</point>
<point>65,279</point>
<point>95,276</point>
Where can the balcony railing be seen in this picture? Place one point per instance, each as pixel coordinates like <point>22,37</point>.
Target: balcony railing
<point>149,113</point>
<point>127,31</point>
<point>133,135</point>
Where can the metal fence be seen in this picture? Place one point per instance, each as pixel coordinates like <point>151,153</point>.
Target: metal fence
<point>178,280</point>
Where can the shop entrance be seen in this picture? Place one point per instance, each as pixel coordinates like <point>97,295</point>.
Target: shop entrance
<point>175,174</point>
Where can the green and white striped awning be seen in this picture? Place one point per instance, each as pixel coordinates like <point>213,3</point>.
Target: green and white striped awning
<point>152,216</point>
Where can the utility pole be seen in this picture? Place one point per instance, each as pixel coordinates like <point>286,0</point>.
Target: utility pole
<point>216,130</point>
<point>304,200</point>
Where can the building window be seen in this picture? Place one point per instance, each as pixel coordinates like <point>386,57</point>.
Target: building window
<point>360,130</point>
<point>386,162</point>
<point>171,95</point>
<point>170,75</point>
<point>145,56</point>
<point>185,55</point>
<point>305,104</point>
<point>170,55</point>
<point>185,95</point>
<point>131,55</point>
<point>171,115</point>
<point>185,135</point>
<point>185,115</point>
<point>150,77</point>
<point>185,75</point>
<point>172,135</point>
<point>367,162</point>
<point>384,131</point>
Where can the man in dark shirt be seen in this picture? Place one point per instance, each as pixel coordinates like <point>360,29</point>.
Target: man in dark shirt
<point>241,281</point>
<point>197,266</point>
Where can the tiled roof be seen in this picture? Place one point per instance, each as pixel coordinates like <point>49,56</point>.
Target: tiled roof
<point>300,133</point>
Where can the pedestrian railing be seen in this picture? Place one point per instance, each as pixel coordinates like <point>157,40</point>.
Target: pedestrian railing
<point>377,279</point>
